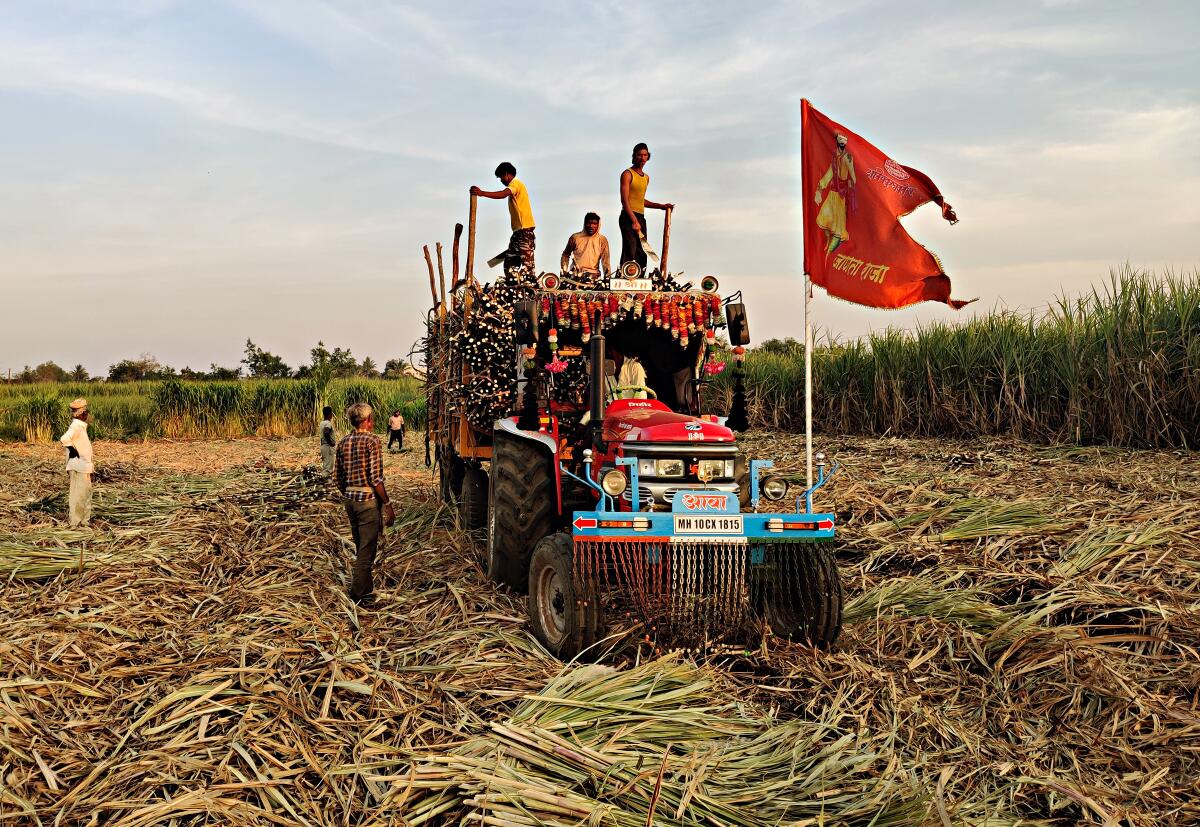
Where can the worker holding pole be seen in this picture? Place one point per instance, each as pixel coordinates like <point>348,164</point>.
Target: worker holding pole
<point>634,182</point>
<point>519,254</point>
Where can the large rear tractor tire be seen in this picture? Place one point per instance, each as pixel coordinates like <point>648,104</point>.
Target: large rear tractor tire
<point>523,508</point>
<point>802,597</point>
<point>562,622</point>
<point>473,501</point>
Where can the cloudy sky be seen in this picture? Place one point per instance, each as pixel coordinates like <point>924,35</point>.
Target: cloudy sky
<point>178,176</point>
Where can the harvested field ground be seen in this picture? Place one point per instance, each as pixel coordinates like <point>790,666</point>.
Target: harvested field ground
<point>1020,648</point>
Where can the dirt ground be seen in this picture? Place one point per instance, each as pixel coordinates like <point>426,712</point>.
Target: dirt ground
<point>211,456</point>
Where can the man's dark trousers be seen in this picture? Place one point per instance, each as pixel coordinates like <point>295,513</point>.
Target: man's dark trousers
<point>396,435</point>
<point>366,524</point>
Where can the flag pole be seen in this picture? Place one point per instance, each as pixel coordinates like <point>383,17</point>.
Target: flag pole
<point>808,346</point>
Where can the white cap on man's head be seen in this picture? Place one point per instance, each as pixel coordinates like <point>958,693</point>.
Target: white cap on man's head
<point>78,405</point>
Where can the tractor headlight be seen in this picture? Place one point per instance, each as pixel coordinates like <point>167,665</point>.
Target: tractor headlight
<point>668,468</point>
<point>774,488</point>
<point>710,469</point>
<point>613,482</point>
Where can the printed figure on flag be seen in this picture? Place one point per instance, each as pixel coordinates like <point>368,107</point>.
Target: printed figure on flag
<point>836,196</point>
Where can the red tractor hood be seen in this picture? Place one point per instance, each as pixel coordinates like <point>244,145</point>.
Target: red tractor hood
<point>648,420</point>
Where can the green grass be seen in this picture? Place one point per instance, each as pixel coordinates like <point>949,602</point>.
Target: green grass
<point>1120,365</point>
<point>201,410</point>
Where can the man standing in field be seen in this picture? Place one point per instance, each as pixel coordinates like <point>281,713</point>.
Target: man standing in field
<point>359,473</point>
<point>79,465</point>
<point>396,429</point>
<point>328,441</point>
<point>589,250</point>
<point>521,244</point>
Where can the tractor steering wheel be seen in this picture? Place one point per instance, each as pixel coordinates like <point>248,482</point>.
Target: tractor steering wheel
<point>621,388</point>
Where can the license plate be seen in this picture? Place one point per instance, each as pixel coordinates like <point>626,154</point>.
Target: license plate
<point>708,523</point>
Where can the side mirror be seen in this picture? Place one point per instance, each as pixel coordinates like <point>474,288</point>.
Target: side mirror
<point>739,325</point>
<point>526,325</point>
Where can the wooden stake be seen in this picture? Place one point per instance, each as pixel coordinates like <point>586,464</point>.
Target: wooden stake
<point>666,245</point>
<point>470,274</point>
<point>432,283</point>
<point>441,305</point>
<point>458,228</point>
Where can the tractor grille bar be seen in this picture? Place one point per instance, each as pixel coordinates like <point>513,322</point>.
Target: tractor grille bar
<point>683,591</point>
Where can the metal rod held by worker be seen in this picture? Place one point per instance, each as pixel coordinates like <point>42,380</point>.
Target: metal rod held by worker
<point>666,245</point>
<point>432,282</point>
<point>470,274</point>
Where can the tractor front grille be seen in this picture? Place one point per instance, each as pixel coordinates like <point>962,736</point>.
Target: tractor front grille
<point>686,592</point>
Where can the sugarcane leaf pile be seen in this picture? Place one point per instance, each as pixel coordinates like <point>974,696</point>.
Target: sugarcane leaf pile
<point>1019,649</point>
<point>653,744</point>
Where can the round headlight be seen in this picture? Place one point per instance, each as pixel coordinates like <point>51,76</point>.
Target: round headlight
<point>774,488</point>
<point>613,482</point>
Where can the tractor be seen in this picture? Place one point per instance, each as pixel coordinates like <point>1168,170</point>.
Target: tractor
<point>615,504</point>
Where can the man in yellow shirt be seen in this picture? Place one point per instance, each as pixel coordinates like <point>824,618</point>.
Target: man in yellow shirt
<point>588,250</point>
<point>634,202</point>
<point>519,255</point>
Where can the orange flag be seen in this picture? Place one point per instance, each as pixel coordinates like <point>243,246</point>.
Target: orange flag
<point>854,245</point>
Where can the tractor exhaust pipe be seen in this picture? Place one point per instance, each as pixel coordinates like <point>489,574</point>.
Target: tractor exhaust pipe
<point>596,357</point>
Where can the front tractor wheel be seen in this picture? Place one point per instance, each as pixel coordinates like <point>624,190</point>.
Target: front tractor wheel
<point>802,595</point>
<point>565,622</point>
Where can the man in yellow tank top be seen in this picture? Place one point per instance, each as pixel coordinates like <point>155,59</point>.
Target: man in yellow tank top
<point>634,182</point>
<point>519,255</point>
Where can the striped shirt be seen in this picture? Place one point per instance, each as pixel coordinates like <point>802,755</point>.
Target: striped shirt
<point>359,464</point>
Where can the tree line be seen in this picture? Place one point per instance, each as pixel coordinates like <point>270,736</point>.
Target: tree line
<point>257,363</point>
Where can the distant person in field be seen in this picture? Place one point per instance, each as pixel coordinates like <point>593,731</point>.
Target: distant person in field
<point>634,182</point>
<point>588,251</point>
<point>519,254</point>
<point>79,465</point>
<point>835,195</point>
<point>396,429</point>
<point>359,475</point>
<point>328,440</point>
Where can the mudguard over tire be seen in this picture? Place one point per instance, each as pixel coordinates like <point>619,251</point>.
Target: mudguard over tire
<point>562,622</point>
<point>523,508</point>
<point>802,595</point>
<point>473,501</point>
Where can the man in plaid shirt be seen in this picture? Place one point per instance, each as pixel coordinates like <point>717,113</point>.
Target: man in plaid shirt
<point>359,474</point>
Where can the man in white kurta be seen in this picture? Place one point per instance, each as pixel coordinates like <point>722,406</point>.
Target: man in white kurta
<point>79,465</point>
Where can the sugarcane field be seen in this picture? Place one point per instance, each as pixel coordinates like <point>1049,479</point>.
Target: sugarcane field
<point>842,468</point>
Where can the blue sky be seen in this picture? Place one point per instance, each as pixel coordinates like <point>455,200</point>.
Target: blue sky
<point>178,176</point>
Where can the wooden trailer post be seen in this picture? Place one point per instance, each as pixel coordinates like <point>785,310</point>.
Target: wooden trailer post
<point>432,283</point>
<point>441,304</point>
<point>666,245</point>
<point>470,274</point>
<point>458,228</point>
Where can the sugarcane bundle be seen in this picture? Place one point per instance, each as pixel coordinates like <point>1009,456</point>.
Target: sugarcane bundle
<point>661,744</point>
